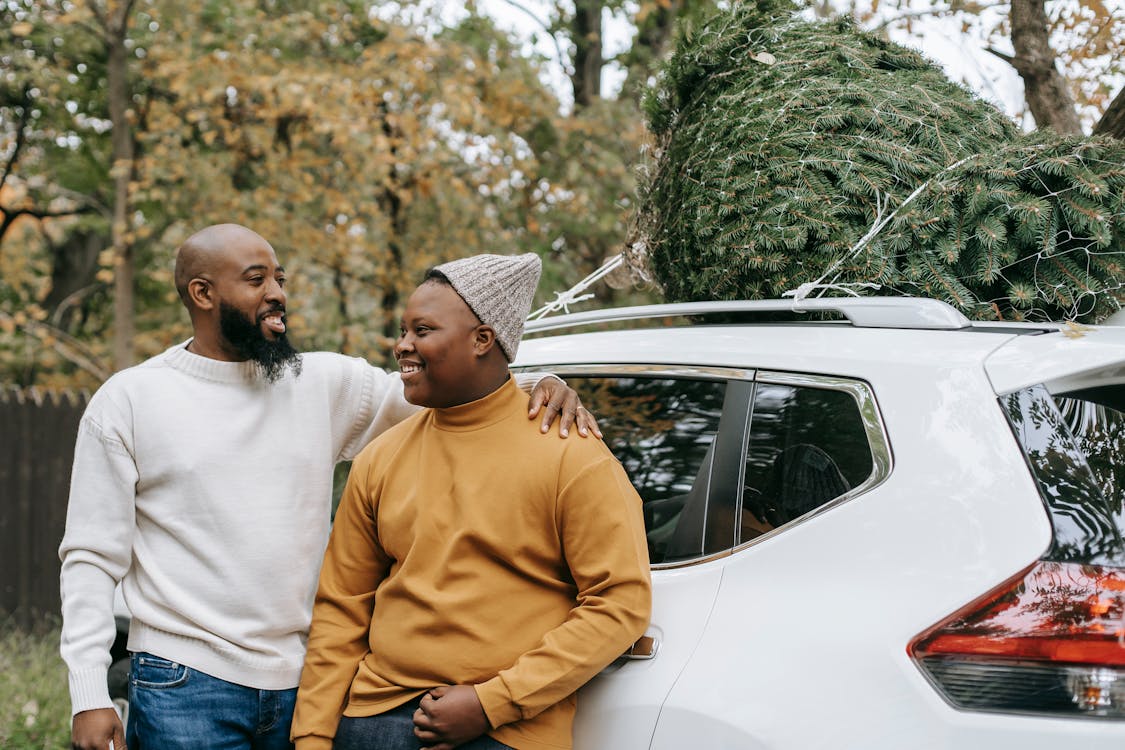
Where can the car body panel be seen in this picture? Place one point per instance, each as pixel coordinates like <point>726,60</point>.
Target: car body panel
<point>620,707</point>
<point>806,645</point>
<point>1064,360</point>
<point>854,352</point>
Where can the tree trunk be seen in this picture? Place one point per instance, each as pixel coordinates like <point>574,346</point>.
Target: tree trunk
<point>117,72</point>
<point>586,32</point>
<point>74,271</point>
<point>1113,119</point>
<point>1045,89</point>
<point>390,203</point>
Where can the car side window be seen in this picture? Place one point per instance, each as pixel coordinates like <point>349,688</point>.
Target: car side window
<point>662,431</point>
<point>807,447</point>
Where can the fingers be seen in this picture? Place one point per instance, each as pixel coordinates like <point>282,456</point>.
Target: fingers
<point>550,411</point>
<point>95,729</point>
<point>539,398</point>
<point>587,423</point>
<point>569,412</point>
<point>424,728</point>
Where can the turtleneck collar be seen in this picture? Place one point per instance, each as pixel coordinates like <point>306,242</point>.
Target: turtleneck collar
<point>211,369</point>
<point>483,412</point>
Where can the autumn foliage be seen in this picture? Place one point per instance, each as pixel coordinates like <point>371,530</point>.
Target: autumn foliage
<point>364,148</point>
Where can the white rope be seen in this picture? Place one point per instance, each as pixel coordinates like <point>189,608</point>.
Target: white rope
<point>881,220</point>
<point>563,300</point>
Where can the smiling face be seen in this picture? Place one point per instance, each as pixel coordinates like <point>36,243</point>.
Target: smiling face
<point>445,355</point>
<point>229,279</point>
<point>248,279</point>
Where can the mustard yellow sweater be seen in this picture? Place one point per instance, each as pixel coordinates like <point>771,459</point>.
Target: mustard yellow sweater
<point>470,549</point>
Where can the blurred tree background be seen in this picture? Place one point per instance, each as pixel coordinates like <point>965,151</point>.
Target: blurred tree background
<point>365,147</point>
<point>366,141</point>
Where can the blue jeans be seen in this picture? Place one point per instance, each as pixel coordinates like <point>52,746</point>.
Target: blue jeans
<point>393,730</point>
<point>173,707</point>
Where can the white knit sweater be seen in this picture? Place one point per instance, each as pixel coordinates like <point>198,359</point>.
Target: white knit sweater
<point>205,491</point>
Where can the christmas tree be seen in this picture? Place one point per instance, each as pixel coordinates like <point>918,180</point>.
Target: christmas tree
<point>794,153</point>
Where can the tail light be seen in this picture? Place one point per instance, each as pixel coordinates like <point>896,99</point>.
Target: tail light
<point>1049,641</point>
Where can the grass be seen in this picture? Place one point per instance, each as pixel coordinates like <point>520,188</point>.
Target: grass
<point>34,700</point>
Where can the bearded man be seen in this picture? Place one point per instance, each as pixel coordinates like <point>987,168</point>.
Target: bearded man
<point>202,484</point>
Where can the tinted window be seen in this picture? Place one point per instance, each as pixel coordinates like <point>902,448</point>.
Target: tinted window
<point>1096,420</point>
<point>662,431</point>
<point>807,446</point>
<point>1085,508</point>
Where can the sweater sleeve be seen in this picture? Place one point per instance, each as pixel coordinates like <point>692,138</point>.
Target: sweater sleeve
<point>370,402</point>
<point>354,565</point>
<point>96,551</point>
<point>602,533</point>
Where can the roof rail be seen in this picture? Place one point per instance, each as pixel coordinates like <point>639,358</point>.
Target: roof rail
<point>862,312</point>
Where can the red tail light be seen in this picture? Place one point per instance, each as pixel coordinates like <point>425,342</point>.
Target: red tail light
<point>1049,641</point>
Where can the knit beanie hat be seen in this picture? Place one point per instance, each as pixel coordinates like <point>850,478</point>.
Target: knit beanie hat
<point>499,289</point>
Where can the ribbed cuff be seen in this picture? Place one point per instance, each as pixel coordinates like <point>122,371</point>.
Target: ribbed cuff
<point>89,690</point>
<point>496,701</point>
<point>312,742</point>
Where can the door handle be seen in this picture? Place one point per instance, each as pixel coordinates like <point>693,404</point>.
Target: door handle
<point>645,648</point>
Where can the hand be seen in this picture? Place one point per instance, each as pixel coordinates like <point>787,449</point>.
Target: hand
<point>449,716</point>
<point>94,729</point>
<point>556,397</point>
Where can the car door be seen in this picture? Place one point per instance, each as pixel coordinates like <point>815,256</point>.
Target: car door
<point>814,443</point>
<point>679,433</point>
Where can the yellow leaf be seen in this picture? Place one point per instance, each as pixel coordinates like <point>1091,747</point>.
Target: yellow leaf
<point>1074,330</point>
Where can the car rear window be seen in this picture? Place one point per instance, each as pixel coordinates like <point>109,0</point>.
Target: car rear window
<point>1075,445</point>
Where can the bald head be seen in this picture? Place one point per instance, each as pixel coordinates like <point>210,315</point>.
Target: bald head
<point>206,249</point>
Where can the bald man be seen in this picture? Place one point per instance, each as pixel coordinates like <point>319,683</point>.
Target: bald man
<point>202,484</point>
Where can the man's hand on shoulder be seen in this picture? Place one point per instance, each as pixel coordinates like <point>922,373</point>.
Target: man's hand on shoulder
<point>555,398</point>
<point>95,729</point>
<point>449,716</point>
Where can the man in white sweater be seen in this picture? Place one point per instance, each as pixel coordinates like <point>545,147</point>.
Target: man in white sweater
<point>202,483</point>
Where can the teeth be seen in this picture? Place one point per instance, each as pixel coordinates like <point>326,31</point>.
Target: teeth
<point>274,322</point>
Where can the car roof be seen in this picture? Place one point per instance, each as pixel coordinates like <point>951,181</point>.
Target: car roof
<point>1067,356</point>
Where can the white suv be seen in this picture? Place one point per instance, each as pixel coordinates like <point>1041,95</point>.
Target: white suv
<point>899,529</point>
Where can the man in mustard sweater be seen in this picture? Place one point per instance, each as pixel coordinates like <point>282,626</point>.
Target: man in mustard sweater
<point>476,577</point>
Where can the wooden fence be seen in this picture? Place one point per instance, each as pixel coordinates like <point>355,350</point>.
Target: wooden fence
<point>37,432</point>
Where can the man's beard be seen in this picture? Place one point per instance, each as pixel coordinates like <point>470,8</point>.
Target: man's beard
<point>246,337</point>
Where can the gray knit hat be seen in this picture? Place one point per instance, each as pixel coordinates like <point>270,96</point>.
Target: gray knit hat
<point>499,289</point>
